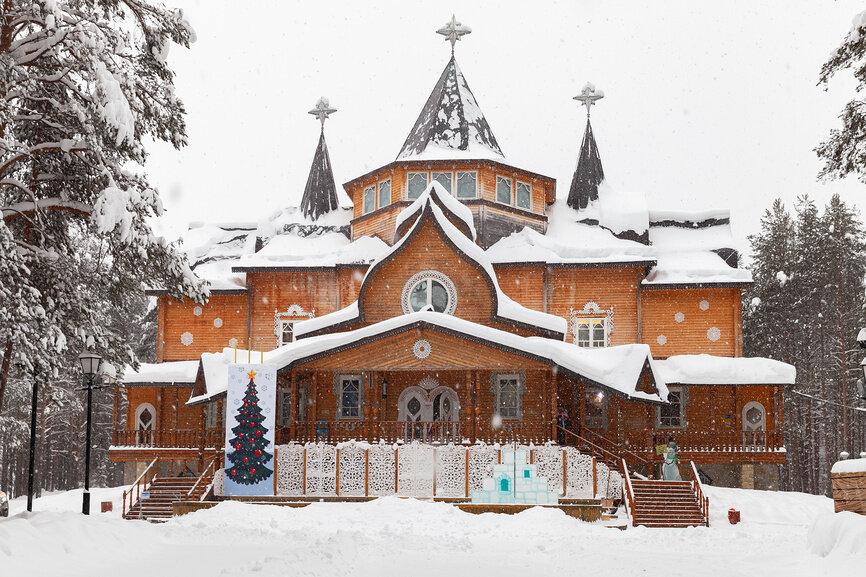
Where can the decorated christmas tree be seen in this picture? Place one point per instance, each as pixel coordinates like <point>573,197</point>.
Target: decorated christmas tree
<point>248,455</point>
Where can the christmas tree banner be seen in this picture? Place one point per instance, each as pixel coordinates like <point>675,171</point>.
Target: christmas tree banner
<point>250,412</point>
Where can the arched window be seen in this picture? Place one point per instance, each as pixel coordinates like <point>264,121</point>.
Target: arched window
<point>145,417</point>
<point>754,417</point>
<point>429,290</point>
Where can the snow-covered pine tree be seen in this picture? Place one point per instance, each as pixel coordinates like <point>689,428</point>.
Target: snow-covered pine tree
<point>842,152</point>
<point>84,84</point>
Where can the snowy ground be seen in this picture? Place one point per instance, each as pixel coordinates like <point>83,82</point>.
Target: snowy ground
<point>407,537</point>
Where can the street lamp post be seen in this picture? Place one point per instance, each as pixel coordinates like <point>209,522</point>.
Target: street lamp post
<point>89,366</point>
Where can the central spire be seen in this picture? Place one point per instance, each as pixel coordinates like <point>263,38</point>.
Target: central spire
<point>451,124</point>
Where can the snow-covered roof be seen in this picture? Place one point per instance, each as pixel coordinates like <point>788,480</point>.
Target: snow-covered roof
<point>445,199</point>
<point>616,368</point>
<point>849,466</point>
<point>327,249</point>
<point>694,248</point>
<point>451,124</point>
<point>168,373</point>
<point>712,370</point>
<point>568,242</point>
<point>506,308</point>
<point>214,247</point>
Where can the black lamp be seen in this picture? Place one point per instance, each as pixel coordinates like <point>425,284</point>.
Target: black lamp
<point>89,362</point>
<point>384,388</point>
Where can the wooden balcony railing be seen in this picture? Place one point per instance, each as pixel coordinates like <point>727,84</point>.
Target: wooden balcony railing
<point>170,439</point>
<point>390,431</point>
<point>718,441</point>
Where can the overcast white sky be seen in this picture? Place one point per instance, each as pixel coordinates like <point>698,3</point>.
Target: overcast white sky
<point>706,104</point>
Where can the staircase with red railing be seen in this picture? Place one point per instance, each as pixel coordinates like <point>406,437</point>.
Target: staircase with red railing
<point>667,503</point>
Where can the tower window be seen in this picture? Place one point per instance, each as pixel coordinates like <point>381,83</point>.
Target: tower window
<point>444,178</point>
<point>467,184</point>
<point>384,193</point>
<point>416,183</point>
<point>503,190</point>
<point>369,199</point>
<point>523,193</point>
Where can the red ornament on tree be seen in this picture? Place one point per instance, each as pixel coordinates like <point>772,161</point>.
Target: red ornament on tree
<point>258,433</point>
<point>252,471</point>
<point>245,459</point>
<point>234,472</point>
<point>238,446</point>
<point>258,453</point>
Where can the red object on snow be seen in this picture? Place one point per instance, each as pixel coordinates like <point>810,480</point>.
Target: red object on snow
<point>107,507</point>
<point>733,516</point>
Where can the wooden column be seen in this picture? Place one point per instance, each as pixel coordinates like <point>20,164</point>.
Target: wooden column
<point>313,394</point>
<point>366,404</point>
<point>547,375</point>
<point>581,407</point>
<point>475,408</point>
<point>218,442</point>
<point>115,423</point>
<point>296,406</point>
<point>467,406</point>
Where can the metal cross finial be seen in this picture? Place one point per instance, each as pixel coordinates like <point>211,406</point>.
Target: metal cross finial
<point>322,110</point>
<point>452,31</point>
<point>588,96</point>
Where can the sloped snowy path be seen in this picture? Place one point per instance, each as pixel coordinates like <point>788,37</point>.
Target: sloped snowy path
<point>407,537</point>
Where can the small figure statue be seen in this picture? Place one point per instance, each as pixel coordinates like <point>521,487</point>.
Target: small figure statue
<point>671,469</point>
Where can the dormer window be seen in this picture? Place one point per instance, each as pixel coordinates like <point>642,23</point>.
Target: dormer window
<point>429,290</point>
<point>369,199</point>
<point>467,184</point>
<point>384,193</point>
<point>503,190</point>
<point>416,183</point>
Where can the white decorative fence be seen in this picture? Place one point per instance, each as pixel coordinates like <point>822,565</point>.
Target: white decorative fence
<point>416,469</point>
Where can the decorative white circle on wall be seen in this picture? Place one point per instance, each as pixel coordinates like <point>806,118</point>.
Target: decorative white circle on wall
<point>704,305</point>
<point>679,317</point>
<point>233,343</point>
<point>661,339</point>
<point>186,339</point>
<point>217,322</point>
<point>714,334</point>
<point>422,348</point>
<point>197,311</point>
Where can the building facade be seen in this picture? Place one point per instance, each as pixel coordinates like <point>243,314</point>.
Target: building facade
<point>461,300</point>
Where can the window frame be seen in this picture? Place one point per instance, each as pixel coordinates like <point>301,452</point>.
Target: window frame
<point>528,185</point>
<point>682,392</point>
<point>510,181</point>
<point>372,190</point>
<point>341,379</point>
<point>379,186</point>
<point>496,389</point>
<point>430,280</point>
<point>213,415</point>
<point>282,330</point>
<point>456,186</point>
<point>752,405</point>
<point>284,402</point>
<point>591,343</point>
<point>409,176</point>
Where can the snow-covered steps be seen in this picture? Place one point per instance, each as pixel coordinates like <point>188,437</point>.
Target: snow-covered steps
<point>666,504</point>
<point>160,497</point>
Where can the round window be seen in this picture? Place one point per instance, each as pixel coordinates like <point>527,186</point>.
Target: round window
<point>429,290</point>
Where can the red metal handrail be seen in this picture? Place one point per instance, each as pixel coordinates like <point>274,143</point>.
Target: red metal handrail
<point>629,491</point>
<point>147,476</point>
<point>203,482</point>
<point>703,501</point>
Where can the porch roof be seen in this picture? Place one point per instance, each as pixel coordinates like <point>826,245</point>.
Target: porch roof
<point>165,374</point>
<point>712,370</point>
<point>618,369</point>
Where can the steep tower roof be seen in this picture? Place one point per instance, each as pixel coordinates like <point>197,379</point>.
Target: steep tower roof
<point>588,174</point>
<point>320,194</point>
<point>451,123</point>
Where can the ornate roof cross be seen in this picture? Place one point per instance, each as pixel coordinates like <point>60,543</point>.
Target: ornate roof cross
<point>322,111</point>
<point>588,96</point>
<point>452,31</point>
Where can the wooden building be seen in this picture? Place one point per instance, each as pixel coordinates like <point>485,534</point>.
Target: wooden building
<point>460,299</point>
